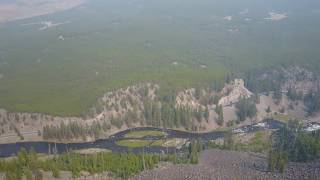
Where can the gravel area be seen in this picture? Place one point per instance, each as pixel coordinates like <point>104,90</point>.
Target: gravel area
<point>224,165</point>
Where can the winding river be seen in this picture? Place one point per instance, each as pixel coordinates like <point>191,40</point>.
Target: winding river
<point>7,150</point>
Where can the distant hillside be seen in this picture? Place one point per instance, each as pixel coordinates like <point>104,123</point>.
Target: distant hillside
<point>22,9</point>
<point>61,63</point>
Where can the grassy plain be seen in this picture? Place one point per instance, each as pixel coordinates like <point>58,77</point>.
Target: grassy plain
<point>133,143</point>
<point>141,134</point>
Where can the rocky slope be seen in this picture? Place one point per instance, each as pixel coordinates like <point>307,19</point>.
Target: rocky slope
<point>232,92</point>
<point>126,107</point>
<point>28,126</point>
<point>217,164</point>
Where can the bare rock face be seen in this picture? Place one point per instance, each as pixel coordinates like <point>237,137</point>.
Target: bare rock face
<point>187,98</point>
<point>233,92</point>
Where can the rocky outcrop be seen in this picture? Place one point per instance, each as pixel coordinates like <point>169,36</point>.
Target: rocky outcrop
<point>189,99</point>
<point>232,92</point>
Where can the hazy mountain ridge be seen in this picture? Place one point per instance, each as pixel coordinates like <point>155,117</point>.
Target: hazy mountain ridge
<point>22,9</point>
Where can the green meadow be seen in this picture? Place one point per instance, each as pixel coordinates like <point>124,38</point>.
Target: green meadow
<point>109,44</point>
<point>141,134</point>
